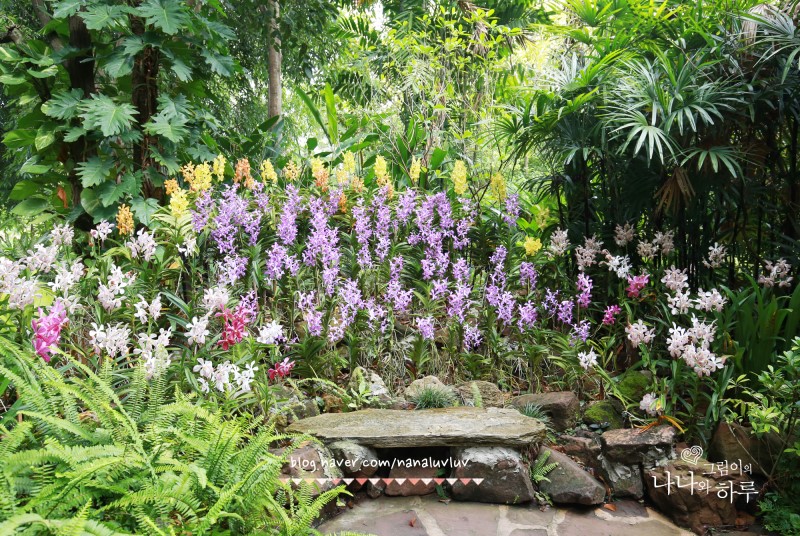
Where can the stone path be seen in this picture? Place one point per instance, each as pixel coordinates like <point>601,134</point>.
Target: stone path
<point>427,516</point>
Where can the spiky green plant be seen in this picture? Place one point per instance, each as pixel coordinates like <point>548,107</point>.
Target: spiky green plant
<point>477,397</point>
<point>149,461</point>
<point>535,411</point>
<point>433,397</point>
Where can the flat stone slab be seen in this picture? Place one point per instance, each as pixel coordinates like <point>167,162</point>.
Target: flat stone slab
<point>446,427</point>
<point>413,516</point>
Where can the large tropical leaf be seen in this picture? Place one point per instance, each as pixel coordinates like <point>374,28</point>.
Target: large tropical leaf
<point>101,112</point>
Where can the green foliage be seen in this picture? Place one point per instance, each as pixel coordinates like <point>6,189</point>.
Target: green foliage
<point>147,460</point>
<point>535,411</point>
<point>763,325</point>
<point>477,397</point>
<point>540,468</point>
<point>112,96</point>
<point>431,396</point>
<point>780,514</point>
<point>771,405</point>
<point>642,114</point>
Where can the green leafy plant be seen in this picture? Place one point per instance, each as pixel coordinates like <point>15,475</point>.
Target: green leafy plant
<point>110,100</point>
<point>361,395</point>
<point>540,468</point>
<point>477,397</point>
<point>538,472</point>
<point>535,411</point>
<point>144,460</point>
<point>431,396</point>
<point>771,406</point>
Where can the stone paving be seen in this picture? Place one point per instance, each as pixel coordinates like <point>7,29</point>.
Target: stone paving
<point>427,516</point>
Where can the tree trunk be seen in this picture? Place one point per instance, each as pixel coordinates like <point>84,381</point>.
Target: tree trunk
<point>81,76</point>
<point>144,88</point>
<point>274,106</point>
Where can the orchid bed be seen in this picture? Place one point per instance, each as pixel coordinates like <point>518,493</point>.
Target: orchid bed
<point>247,278</point>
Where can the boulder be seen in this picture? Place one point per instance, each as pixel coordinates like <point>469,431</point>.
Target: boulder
<point>449,427</point>
<point>413,390</point>
<point>354,460</point>
<point>639,446</point>
<point>411,481</point>
<point>624,480</point>
<point>401,403</point>
<point>375,489</point>
<point>584,449</point>
<point>311,460</point>
<point>569,483</point>
<point>506,477</point>
<point>562,406</point>
<point>491,395</point>
<point>377,388</point>
<point>291,406</point>
<point>333,404</point>
<point>733,442</point>
<point>606,414</point>
<point>701,501</point>
<point>634,384</point>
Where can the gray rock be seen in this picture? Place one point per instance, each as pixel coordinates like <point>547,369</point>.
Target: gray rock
<point>569,483</point>
<point>491,395</point>
<point>413,390</point>
<point>310,460</point>
<point>291,406</point>
<point>401,403</point>
<point>584,449</point>
<point>562,406</point>
<point>453,427</point>
<point>635,445</point>
<point>353,459</point>
<point>625,480</point>
<point>506,477</point>
<point>374,382</point>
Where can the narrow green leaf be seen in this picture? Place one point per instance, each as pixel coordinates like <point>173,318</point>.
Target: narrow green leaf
<point>437,158</point>
<point>330,107</point>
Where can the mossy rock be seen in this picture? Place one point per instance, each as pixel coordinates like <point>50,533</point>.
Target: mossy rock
<point>634,384</point>
<point>603,414</point>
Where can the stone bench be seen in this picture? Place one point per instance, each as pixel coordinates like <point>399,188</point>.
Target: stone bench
<point>447,427</point>
<point>482,448</point>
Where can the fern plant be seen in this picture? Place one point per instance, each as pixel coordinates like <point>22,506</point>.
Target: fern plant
<point>541,468</point>
<point>539,471</point>
<point>154,461</point>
